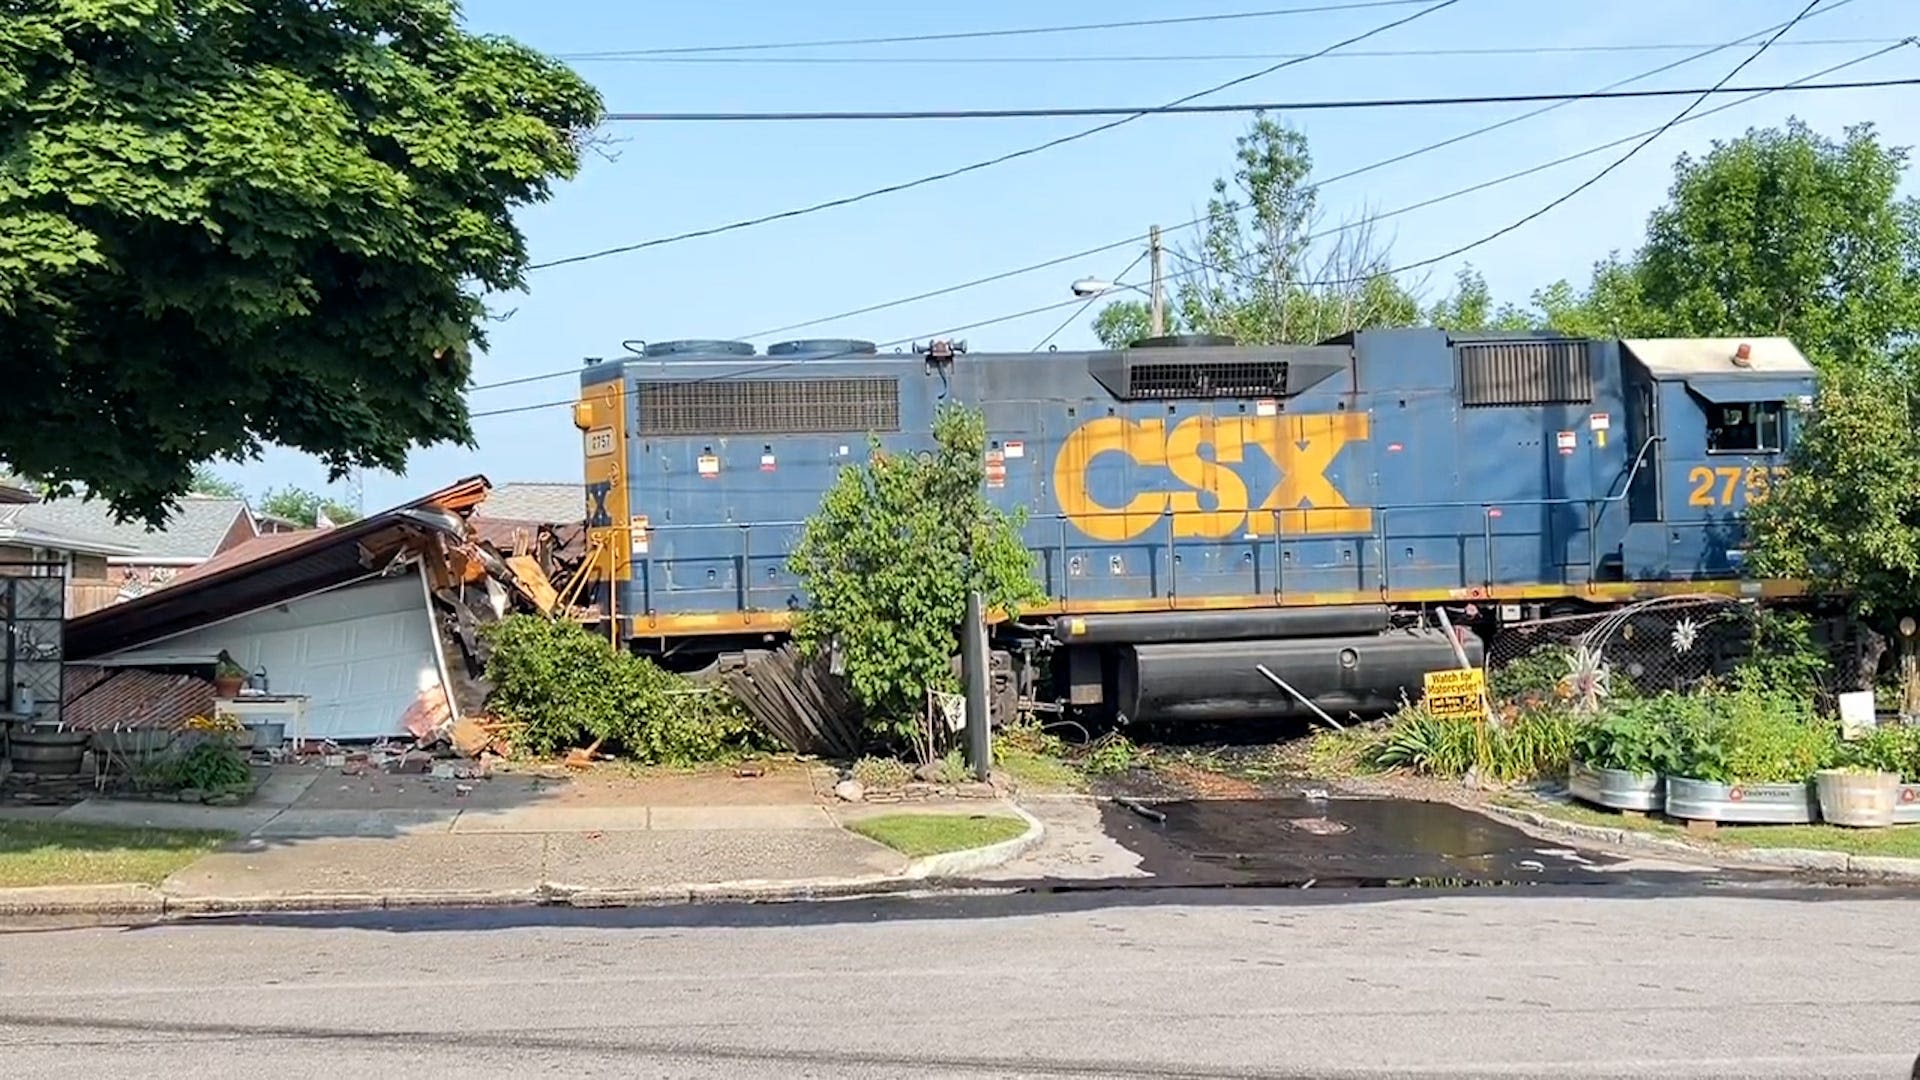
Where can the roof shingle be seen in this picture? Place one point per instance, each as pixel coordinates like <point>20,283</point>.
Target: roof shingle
<point>542,502</point>
<point>194,531</point>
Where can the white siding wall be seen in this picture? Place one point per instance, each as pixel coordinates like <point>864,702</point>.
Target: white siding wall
<point>361,654</point>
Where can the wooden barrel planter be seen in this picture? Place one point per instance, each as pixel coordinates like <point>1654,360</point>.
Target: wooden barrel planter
<point>1746,804</point>
<point>47,750</point>
<point>1862,800</point>
<point>1617,789</point>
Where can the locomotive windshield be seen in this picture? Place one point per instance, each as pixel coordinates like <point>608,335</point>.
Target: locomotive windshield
<point>1748,427</point>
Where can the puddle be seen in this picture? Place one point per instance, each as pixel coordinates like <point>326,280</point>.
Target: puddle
<point>1341,843</point>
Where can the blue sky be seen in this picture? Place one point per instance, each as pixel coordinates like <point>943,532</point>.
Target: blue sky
<point>669,178</point>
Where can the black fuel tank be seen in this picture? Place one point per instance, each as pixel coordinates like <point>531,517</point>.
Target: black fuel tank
<point>1220,680</point>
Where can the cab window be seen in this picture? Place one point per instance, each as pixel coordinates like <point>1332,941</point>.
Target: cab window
<point>1745,428</point>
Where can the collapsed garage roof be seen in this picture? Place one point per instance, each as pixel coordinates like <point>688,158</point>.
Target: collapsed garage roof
<point>316,561</point>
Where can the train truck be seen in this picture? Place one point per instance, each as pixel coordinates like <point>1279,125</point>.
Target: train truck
<point>1198,510</point>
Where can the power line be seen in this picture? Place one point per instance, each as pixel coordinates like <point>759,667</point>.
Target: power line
<point>1200,58</point>
<point>1596,177</point>
<point>1237,107</point>
<point>966,35</point>
<point>1318,184</point>
<point>989,162</point>
<point>1199,265</point>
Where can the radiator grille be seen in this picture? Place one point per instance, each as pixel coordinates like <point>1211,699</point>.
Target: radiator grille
<point>1239,378</point>
<point>769,406</point>
<point>1525,373</point>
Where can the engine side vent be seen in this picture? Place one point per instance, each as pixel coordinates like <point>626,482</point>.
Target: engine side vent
<point>1524,373</point>
<point>769,406</point>
<point>1218,379</point>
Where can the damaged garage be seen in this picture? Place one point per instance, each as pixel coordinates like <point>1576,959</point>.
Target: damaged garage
<point>367,630</point>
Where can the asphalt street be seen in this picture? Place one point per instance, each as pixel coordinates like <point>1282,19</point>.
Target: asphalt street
<point>1223,982</point>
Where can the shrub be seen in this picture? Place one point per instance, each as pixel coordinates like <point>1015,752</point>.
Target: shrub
<point>1536,742</point>
<point>1638,736</point>
<point>1893,748</point>
<point>888,559</point>
<point>563,686</point>
<point>1753,737</point>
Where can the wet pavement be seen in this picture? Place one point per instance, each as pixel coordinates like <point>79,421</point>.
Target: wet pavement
<point>1340,841</point>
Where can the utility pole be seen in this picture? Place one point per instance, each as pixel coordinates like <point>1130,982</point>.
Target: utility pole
<point>1159,292</point>
<point>978,681</point>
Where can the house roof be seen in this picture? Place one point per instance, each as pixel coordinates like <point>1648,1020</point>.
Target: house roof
<point>541,502</point>
<point>18,532</point>
<point>194,530</point>
<point>290,566</point>
<point>102,700</point>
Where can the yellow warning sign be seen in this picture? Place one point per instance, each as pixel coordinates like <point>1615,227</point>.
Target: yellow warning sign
<point>1456,694</point>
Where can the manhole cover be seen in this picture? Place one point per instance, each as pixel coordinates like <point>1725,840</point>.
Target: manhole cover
<point>1319,826</point>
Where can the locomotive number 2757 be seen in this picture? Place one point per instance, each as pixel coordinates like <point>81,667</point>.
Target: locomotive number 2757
<point>1725,485</point>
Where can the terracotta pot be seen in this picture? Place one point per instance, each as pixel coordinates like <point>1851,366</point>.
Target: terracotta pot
<point>227,686</point>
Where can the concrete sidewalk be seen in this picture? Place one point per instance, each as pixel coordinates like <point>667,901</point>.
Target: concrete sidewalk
<point>321,839</point>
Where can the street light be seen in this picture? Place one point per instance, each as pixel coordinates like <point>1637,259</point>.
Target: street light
<point>1086,287</point>
<point>1091,287</point>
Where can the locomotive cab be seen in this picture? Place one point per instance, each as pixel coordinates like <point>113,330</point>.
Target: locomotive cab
<point>1715,416</point>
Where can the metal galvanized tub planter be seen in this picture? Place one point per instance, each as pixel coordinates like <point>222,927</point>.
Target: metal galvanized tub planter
<point>48,750</point>
<point>1907,809</point>
<point>1617,788</point>
<point>1751,804</point>
<point>133,744</point>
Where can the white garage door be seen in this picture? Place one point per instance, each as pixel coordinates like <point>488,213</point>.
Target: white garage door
<point>361,654</point>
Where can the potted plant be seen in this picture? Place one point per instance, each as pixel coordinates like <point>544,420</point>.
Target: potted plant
<point>1750,756</point>
<point>228,675</point>
<point>1621,758</point>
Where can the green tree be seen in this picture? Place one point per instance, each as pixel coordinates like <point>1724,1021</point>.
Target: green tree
<point>1470,307</point>
<point>1846,516</point>
<point>304,507</point>
<point>207,482</point>
<point>227,223</point>
<point>1266,269</point>
<point>889,558</point>
<point>1783,231</point>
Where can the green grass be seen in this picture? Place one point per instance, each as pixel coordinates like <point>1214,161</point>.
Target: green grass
<point>1898,840</point>
<point>917,835</point>
<point>1032,771</point>
<point>54,853</point>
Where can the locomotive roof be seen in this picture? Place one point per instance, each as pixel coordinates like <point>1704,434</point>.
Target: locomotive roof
<point>1679,358</point>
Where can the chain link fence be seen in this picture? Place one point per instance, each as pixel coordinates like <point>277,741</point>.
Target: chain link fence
<point>1665,644</point>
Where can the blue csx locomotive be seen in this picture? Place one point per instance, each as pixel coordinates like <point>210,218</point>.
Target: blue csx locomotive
<point>1198,509</point>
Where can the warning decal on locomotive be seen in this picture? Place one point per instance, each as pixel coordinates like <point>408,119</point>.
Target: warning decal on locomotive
<point>1215,502</point>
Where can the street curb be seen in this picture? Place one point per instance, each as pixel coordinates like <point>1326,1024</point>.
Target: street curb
<point>1880,866</point>
<point>973,860</point>
<point>146,900</point>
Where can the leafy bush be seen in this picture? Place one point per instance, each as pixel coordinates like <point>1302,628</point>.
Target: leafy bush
<point>1893,748</point>
<point>563,686</point>
<point>1753,737</point>
<point>889,558</point>
<point>1783,657</point>
<point>1536,742</point>
<point>1535,676</point>
<point>1110,755</point>
<point>1638,736</point>
<point>211,763</point>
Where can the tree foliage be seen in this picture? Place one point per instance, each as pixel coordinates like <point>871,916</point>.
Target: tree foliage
<point>1786,232</point>
<point>304,507</point>
<point>889,558</point>
<point>207,482</point>
<point>1267,269</point>
<point>225,223</point>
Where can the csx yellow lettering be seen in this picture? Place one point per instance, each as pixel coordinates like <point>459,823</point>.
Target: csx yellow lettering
<point>1215,502</point>
<point>1207,478</point>
<point>1304,447</point>
<point>1143,441</point>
